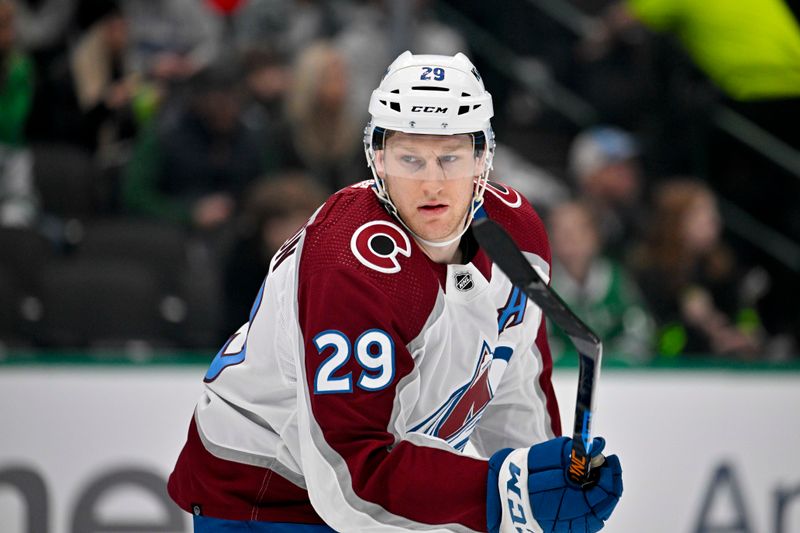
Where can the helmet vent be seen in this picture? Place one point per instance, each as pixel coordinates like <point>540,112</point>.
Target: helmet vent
<point>463,109</point>
<point>476,106</point>
<point>395,106</point>
<point>465,94</point>
<point>396,91</point>
<point>423,88</point>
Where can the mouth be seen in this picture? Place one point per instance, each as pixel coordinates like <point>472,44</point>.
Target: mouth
<point>433,208</point>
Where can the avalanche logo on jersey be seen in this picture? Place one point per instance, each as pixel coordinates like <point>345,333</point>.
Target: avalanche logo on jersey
<point>458,416</point>
<point>376,245</point>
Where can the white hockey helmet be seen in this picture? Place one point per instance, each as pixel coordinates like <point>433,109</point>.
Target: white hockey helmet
<point>431,95</point>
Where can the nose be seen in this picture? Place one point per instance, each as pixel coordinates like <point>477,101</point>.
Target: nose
<point>432,188</point>
<point>433,171</point>
<point>432,182</point>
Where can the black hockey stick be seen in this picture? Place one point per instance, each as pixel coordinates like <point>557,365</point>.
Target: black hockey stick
<point>502,250</point>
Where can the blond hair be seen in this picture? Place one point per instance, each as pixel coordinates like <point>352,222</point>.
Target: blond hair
<point>320,134</point>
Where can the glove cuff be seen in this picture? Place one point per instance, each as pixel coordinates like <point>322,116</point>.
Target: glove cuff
<point>508,508</point>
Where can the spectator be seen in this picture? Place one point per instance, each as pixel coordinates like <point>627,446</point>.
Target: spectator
<point>268,78</point>
<point>749,50</point>
<point>287,26</point>
<point>274,209</point>
<point>104,83</point>
<point>691,278</point>
<point>193,165</point>
<point>18,199</point>
<point>326,133</point>
<point>45,28</point>
<point>604,164</point>
<point>172,39</point>
<point>16,80</point>
<point>597,288</point>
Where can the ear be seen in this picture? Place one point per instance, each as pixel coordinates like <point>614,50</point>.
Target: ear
<point>480,162</point>
<point>380,166</point>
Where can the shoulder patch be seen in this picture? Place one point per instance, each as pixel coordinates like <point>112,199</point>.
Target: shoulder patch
<point>507,195</point>
<point>376,245</point>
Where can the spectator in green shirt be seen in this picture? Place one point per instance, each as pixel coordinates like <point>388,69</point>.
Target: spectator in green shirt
<point>18,198</point>
<point>16,81</point>
<point>596,287</point>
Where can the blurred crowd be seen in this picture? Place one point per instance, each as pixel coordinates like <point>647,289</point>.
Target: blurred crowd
<point>154,154</point>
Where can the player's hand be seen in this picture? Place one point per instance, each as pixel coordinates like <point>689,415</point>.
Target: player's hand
<point>529,490</point>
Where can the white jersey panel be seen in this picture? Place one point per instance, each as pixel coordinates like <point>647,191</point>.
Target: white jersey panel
<point>249,412</point>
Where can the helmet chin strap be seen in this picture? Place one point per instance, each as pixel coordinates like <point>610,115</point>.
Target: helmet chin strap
<point>437,244</point>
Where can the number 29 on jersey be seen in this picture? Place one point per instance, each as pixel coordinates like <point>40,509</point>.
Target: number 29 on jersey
<point>373,350</point>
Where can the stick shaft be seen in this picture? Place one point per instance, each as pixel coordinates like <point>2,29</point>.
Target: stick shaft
<point>502,250</point>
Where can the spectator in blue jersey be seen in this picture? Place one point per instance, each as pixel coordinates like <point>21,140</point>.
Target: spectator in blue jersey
<point>383,342</point>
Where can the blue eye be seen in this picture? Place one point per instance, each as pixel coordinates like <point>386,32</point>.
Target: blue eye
<point>448,159</point>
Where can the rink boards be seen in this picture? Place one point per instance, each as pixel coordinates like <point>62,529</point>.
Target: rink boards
<point>88,447</point>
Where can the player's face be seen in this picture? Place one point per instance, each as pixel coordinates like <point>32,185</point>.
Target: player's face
<point>430,180</point>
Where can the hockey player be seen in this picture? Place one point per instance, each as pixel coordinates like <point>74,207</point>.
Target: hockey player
<point>383,341</point>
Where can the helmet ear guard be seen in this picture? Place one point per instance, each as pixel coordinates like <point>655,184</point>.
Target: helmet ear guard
<point>431,95</point>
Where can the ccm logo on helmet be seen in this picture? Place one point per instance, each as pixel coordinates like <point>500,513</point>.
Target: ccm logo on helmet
<point>428,109</point>
<point>377,243</point>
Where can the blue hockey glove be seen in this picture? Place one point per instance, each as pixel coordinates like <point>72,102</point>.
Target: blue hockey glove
<point>529,490</point>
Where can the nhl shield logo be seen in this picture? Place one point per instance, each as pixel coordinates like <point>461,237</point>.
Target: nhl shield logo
<point>464,281</point>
